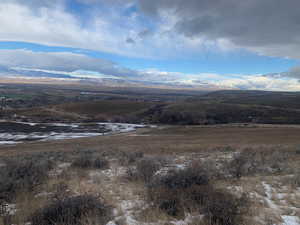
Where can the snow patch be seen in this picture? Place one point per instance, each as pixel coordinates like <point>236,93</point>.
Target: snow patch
<point>268,199</point>
<point>290,220</point>
<point>8,142</point>
<point>77,130</point>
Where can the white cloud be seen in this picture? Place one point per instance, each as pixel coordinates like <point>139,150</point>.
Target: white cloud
<point>260,82</point>
<point>54,26</point>
<point>79,65</point>
<point>61,61</point>
<point>181,28</point>
<point>107,31</point>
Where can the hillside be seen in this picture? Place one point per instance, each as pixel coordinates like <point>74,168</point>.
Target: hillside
<point>63,103</point>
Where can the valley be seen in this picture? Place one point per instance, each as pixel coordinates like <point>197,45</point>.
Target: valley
<point>149,156</point>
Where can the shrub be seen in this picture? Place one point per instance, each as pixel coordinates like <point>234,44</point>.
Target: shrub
<point>100,163</point>
<point>84,161</point>
<point>131,174</point>
<point>179,190</point>
<point>22,175</point>
<point>61,191</point>
<point>190,190</point>
<point>87,161</point>
<point>185,178</point>
<point>296,179</point>
<point>223,208</point>
<point>240,164</point>
<point>252,161</point>
<point>73,211</point>
<point>128,158</point>
<point>146,168</point>
<point>298,150</point>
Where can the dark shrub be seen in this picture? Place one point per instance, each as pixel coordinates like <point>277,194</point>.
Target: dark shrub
<point>100,163</point>
<point>240,164</point>
<point>224,208</point>
<point>131,174</point>
<point>61,191</point>
<point>128,158</point>
<point>298,150</point>
<point>166,200</point>
<point>22,175</point>
<point>84,161</point>
<point>179,190</point>
<point>296,179</point>
<point>185,178</point>
<point>147,167</point>
<point>189,190</point>
<point>73,211</point>
<point>251,161</point>
<point>88,161</point>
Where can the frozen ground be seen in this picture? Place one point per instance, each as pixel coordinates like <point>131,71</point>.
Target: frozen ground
<point>273,200</point>
<point>277,199</point>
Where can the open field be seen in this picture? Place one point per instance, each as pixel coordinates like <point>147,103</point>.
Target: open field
<point>268,183</point>
<point>172,139</point>
<point>211,159</point>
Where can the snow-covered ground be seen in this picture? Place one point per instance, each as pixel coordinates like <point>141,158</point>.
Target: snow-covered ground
<point>61,131</point>
<point>271,193</point>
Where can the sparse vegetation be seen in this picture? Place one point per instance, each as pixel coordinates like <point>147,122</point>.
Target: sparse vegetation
<point>88,161</point>
<point>22,174</point>
<point>296,179</point>
<point>250,161</point>
<point>146,168</point>
<point>178,190</point>
<point>298,150</point>
<point>223,208</point>
<point>190,190</point>
<point>129,158</point>
<point>85,209</point>
<point>203,181</point>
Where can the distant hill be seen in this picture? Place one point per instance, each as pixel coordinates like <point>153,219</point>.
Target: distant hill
<point>265,98</point>
<point>149,105</point>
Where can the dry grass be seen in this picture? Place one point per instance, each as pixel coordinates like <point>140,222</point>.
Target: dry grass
<point>182,145</point>
<point>172,140</point>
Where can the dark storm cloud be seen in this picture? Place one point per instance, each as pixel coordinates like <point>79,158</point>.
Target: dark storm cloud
<point>271,27</point>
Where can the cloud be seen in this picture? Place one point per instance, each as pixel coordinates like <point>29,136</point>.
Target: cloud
<point>36,3</point>
<point>60,61</point>
<point>159,28</point>
<point>102,26</point>
<point>68,65</point>
<point>144,33</point>
<point>130,41</point>
<point>54,25</point>
<point>292,73</point>
<point>269,27</point>
<point>233,81</point>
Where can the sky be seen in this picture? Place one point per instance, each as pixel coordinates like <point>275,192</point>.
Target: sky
<point>249,44</point>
